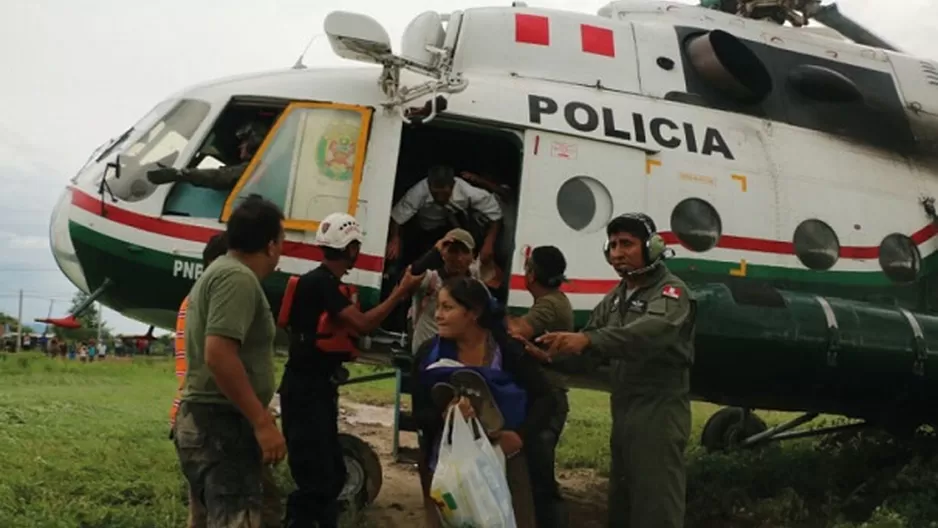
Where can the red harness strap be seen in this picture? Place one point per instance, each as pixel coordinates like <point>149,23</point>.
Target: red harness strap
<point>286,305</point>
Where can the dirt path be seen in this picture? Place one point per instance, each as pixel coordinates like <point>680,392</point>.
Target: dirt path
<point>399,502</point>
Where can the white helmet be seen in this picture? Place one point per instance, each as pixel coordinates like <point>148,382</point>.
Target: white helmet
<point>338,230</point>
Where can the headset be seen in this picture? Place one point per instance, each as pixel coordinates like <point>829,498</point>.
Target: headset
<point>654,250</point>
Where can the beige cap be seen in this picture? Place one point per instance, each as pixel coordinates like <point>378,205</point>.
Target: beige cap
<point>462,236</point>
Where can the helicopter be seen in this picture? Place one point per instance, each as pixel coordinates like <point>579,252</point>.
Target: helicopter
<point>795,168</point>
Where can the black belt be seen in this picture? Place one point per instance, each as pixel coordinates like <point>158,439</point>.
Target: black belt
<point>331,369</point>
<point>305,339</point>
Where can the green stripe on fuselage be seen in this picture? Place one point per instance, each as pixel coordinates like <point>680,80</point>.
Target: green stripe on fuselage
<point>686,266</point>
<point>150,279</point>
<point>153,279</point>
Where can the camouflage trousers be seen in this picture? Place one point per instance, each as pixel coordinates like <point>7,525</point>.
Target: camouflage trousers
<point>229,486</point>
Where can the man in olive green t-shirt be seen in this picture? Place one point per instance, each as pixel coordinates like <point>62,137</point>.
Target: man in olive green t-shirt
<point>224,433</point>
<point>551,312</point>
<point>228,301</point>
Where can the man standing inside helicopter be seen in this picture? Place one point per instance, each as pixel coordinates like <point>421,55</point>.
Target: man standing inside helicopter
<point>646,327</point>
<point>250,136</point>
<point>323,323</point>
<point>441,202</point>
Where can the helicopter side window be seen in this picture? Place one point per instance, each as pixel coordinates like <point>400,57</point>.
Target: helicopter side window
<point>220,158</point>
<point>311,166</point>
<point>161,144</point>
<point>210,162</point>
<point>273,173</point>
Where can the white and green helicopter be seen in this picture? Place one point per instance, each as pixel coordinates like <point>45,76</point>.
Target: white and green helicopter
<point>792,171</point>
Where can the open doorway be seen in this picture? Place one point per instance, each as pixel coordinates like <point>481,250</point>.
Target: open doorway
<point>222,149</point>
<point>485,157</point>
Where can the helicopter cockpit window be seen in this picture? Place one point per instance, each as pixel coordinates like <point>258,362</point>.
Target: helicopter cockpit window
<point>86,174</point>
<point>312,165</point>
<point>210,162</point>
<point>160,145</point>
<point>202,188</point>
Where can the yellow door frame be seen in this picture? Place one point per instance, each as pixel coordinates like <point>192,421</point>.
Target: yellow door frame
<point>366,114</point>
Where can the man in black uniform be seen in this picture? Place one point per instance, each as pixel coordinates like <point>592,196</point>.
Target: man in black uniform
<point>324,322</point>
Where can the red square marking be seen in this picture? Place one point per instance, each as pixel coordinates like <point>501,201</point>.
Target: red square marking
<point>532,29</point>
<point>597,40</point>
<point>672,292</point>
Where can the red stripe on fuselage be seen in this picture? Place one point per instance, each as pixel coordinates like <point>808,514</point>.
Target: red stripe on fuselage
<point>375,263</point>
<point>759,245</point>
<point>581,286</point>
<point>201,234</point>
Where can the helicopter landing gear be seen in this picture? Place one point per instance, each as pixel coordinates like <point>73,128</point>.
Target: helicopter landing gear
<point>736,428</point>
<point>729,427</point>
<point>363,472</point>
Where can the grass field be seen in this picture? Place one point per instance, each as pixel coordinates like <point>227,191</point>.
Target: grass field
<point>85,445</point>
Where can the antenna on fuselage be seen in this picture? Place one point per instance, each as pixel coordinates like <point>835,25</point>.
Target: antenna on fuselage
<point>298,65</point>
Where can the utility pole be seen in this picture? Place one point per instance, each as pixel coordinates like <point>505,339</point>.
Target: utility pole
<point>19,326</point>
<point>100,320</point>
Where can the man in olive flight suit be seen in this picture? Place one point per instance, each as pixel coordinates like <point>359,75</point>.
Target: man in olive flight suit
<point>646,327</point>
<point>250,136</point>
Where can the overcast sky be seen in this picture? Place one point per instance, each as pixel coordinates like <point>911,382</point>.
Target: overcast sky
<point>78,72</point>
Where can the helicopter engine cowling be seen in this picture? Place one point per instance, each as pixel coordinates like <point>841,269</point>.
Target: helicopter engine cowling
<point>729,65</point>
<point>917,80</point>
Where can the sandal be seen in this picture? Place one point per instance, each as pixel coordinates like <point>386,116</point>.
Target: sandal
<point>471,384</point>
<point>442,395</point>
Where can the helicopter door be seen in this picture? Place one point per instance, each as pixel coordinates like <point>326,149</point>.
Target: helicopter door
<point>570,189</point>
<point>312,164</point>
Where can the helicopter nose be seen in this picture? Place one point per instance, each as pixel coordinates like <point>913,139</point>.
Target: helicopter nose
<point>62,249</point>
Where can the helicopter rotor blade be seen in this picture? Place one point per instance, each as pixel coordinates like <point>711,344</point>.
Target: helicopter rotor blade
<point>830,16</point>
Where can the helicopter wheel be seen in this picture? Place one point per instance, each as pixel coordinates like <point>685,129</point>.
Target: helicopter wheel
<point>363,472</point>
<point>725,429</point>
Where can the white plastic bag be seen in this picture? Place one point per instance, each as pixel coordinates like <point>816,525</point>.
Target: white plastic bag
<point>469,485</point>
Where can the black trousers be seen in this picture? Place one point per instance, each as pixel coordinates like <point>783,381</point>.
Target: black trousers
<point>541,451</point>
<point>309,404</point>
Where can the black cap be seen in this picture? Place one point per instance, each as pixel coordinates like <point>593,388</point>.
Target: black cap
<point>549,265</point>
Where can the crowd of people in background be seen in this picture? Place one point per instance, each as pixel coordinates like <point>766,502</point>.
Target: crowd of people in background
<point>91,350</point>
